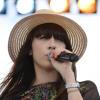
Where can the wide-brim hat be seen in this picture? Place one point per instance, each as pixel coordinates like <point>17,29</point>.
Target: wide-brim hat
<point>22,28</point>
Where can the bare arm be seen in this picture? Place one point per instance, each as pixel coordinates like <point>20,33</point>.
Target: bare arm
<point>73,93</point>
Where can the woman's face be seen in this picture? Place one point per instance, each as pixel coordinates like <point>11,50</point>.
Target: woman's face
<point>41,47</point>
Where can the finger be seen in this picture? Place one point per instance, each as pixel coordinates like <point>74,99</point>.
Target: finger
<point>67,51</point>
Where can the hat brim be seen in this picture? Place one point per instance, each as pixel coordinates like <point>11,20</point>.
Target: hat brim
<point>20,31</point>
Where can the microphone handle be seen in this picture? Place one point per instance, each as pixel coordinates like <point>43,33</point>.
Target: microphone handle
<point>63,56</point>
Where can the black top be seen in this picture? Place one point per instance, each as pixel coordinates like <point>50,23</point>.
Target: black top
<point>49,91</point>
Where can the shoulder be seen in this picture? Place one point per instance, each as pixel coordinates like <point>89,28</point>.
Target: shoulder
<point>87,85</point>
<point>89,90</point>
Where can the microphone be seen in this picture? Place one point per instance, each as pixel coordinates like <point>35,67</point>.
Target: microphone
<point>63,56</point>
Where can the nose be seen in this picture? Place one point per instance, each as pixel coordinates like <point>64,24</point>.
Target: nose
<point>52,44</point>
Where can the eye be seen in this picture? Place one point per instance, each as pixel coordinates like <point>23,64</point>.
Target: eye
<point>44,37</point>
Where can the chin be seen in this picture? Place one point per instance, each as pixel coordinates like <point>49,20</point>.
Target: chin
<point>47,65</point>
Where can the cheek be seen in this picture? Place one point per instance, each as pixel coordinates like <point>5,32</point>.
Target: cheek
<point>61,45</point>
<point>38,50</point>
<point>39,57</point>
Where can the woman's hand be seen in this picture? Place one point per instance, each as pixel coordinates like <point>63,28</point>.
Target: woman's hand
<point>64,68</point>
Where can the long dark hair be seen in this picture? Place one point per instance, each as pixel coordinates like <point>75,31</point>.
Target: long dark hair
<point>22,74</point>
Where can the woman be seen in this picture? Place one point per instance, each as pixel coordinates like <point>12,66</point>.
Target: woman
<point>33,44</point>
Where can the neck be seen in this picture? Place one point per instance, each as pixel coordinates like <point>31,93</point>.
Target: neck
<point>45,75</point>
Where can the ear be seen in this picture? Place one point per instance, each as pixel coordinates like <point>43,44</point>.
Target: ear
<point>30,53</point>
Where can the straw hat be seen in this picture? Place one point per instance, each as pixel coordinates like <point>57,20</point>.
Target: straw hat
<point>20,31</point>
